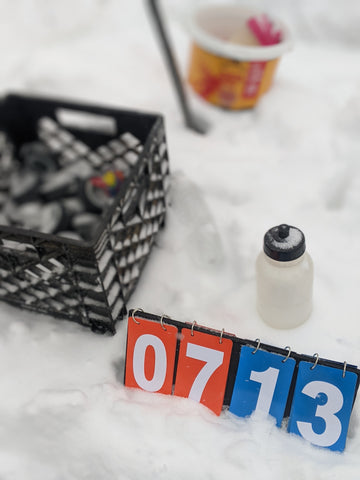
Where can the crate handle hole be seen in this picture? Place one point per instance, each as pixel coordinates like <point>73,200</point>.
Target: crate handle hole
<point>86,121</point>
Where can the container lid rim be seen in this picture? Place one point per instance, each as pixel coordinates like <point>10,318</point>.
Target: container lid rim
<point>234,51</point>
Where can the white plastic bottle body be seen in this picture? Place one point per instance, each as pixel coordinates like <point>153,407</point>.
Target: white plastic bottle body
<point>284,290</point>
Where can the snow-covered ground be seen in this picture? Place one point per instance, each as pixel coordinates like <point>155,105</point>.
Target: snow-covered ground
<point>64,412</point>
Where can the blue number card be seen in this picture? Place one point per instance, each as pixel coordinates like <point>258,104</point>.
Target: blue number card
<point>322,405</point>
<point>262,383</point>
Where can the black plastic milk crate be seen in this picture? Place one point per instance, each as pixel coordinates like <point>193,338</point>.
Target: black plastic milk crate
<point>87,282</point>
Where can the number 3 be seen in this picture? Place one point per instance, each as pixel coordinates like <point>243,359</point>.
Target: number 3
<point>322,404</point>
<point>335,401</point>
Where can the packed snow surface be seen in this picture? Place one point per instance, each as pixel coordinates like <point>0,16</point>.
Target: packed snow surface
<point>64,411</point>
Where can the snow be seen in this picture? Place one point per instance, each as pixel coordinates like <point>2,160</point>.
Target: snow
<point>64,412</point>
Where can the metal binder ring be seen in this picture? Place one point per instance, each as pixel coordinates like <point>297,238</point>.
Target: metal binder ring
<point>316,355</point>
<point>133,315</point>
<point>288,355</point>
<point>221,336</point>
<point>257,346</point>
<point>192,328</point>
<point>344,371</point>
<point>162,322</point>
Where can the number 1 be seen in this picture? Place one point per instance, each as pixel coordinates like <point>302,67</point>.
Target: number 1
<point>262,383</point>
<point>268,380</point>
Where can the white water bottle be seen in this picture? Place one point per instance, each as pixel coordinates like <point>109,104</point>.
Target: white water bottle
<point>284,277</point>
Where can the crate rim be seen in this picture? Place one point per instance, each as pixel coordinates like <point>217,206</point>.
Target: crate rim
<point>100,109</point>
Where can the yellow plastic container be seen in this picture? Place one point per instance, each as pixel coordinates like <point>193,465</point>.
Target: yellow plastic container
<point>227,68</point>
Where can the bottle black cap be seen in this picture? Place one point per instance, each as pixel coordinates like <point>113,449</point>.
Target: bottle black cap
<point>284,243</point>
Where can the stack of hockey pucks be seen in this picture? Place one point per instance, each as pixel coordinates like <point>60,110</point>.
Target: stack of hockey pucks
<point>57,184</point>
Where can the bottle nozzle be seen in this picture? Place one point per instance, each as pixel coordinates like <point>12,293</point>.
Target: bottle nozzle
<point>284,230</point>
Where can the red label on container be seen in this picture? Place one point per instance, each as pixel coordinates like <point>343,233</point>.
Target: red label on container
<point>253,79</point>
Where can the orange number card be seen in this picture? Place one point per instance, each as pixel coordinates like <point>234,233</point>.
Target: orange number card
<point>150,355</point>
<point>202,369</point>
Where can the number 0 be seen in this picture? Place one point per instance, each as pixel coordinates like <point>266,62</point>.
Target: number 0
<point>141,345</point>
<point>150,356</point>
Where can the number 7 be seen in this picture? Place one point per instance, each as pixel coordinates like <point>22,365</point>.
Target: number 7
<point>213,359</point>
<point>203,382</point>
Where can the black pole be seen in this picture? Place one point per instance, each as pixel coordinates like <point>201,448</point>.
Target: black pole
<point>191,120</point>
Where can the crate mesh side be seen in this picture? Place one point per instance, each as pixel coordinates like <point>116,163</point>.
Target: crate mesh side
<point>131,240</point>
<point>39,279</point>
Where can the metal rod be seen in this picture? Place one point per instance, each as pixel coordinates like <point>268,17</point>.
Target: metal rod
<point>191,120</point>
